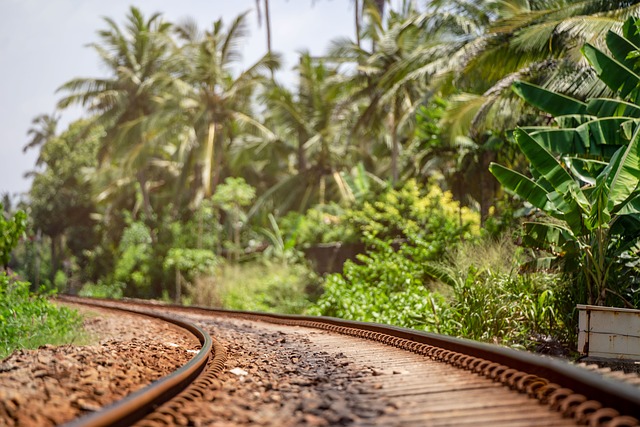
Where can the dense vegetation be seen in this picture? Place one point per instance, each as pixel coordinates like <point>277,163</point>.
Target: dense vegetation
<point>28,320</point>
<point>190,180</point>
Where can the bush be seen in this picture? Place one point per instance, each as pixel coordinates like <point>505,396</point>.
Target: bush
<point>29,320</point>
<point>476,294</point>
<point>404,230</point>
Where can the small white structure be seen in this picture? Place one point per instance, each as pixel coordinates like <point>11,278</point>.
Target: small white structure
<point>609,332</point>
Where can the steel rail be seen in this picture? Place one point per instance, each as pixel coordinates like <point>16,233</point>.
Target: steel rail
<point>137,405</point>
<point>500,363</point>
<point>611,393</point>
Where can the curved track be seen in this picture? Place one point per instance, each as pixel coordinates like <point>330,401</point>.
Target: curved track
<point>567,394</point>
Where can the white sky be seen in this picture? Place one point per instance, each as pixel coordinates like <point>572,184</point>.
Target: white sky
<point>43,44</point>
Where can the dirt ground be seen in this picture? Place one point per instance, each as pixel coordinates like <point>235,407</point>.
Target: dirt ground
<point>52,385</point>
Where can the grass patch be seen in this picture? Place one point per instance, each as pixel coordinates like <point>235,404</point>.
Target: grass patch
<point>266,287</point>
<point>29,320</point>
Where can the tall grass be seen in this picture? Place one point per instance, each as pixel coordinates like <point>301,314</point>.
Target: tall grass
<point>491,300</point>
<point>267,287</point>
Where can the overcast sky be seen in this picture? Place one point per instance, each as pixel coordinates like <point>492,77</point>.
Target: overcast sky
<point>43,44</point>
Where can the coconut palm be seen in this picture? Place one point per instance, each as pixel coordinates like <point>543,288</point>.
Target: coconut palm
<point>139,60</point>
<point>214,103</point>
<point>389,100</point>
<point>311,123</point>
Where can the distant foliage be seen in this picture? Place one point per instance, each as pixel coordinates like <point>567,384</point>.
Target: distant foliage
<point>267,287</point>
<point>11,231</point>
<point>134,261</point>
<point>476,294</point>
<point>409,213</point>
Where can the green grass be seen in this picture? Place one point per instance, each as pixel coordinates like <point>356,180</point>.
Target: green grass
<point>29,320</point>
<point>266,287</point>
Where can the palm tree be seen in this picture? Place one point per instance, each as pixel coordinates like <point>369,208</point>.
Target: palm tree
<point>530,40</point>
<point>139,59</point>
<point>43,128</point>
<point>311,122</point>
<point>213,102</point>
<point>389,98</point>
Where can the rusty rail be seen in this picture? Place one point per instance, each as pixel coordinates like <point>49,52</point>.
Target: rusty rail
<point>583,395</point>
<point>139,404</point>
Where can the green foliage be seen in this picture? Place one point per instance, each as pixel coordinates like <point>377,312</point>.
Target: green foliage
<point>403,229</point>
<point>492,301</point>
<point>320,224</point>
<point>133,265</point>
<point>387,286</point>
<point>29,320</point>
<point>410,212</point>
<point>102,290</point>
<point>190,261</point>
<point>510,309</point>
<point>11,231</point>
<point>233,195</point>
<point>476,294</point>
<point>268,287</point>
<point>593,194</point>
<point>415,213</point>
<point>594,226</point>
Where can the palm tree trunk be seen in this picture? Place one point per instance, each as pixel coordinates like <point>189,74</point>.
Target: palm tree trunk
<point>358,22</point>
<point>208,166</point>
<point>267,19</point>
<point>55,261</point>
<point>146,201</point>
<point>487,185</point>
<point>395,146</point>
<point>302,158</point>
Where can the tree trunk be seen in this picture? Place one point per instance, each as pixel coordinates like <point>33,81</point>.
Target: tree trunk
<point>395,148</point>
<point>55,261</point>
<point>268,21</point>
<point>487,185</point>
<point>178,286</point>
<point>358,22</point>
<point>208,161</point>
<point>302,158</point>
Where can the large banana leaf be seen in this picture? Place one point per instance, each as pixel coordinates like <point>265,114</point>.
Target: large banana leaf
<point>612,72</point>
<point>542,161</point>
<point>621,48</point>
<point>587,170</point>
<point>520,185</point>
<point>632,207</point>
<point>627,174</point>
<point>568,198</point>
<point>546,236</point>
<point>600,137</point>
<point>550,102</point>
<point>573,120</point>
<point>605,107</point>
<point>630,31</point>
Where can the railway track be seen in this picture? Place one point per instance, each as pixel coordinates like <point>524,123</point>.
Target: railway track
<point>352,373</point>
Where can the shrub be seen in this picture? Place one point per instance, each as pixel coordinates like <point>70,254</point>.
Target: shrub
<point>404,230</point>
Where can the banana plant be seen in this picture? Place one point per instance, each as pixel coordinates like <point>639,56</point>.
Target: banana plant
<point>588,133</point>
<point>591,228</point>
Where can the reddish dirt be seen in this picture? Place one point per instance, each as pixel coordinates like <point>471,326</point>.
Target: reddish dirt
<point>52,385</point>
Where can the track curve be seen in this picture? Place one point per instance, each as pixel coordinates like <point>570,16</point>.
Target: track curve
<point>139,404</point>
<point>578,394</point>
